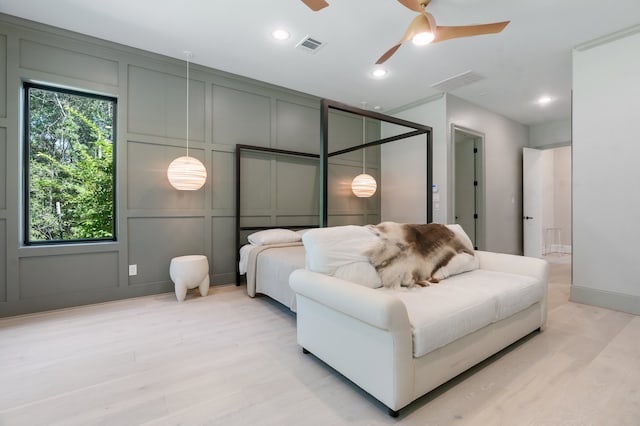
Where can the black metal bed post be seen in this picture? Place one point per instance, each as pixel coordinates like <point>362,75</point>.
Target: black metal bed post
<point>429,177</point>
<point>238,155</point>
<point>239,227</point>
<point>324,163</point>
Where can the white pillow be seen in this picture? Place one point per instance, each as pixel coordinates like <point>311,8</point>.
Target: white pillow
<point>461,262</point>
<point>339,251</point>
<point>362,273</point>
<point>457,229</point>
<point>273,236</point>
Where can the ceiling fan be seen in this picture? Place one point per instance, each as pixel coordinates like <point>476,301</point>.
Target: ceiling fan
<point>423,29</point>
<point>315,5</point>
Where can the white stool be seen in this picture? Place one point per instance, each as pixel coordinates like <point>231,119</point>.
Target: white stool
<point>189,272</point>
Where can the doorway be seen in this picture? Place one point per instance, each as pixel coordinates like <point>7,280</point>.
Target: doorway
<point>468,183</point>
<point>546,201</point>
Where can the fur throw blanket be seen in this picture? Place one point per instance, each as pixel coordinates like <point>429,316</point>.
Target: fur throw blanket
<point>418,254</point>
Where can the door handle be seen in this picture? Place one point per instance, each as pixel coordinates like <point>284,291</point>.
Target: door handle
<point>527,217</point>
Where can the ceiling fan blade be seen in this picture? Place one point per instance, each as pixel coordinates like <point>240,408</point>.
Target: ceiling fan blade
<point>315,5</point>
<point>422,22</point>
<point>418,24</point>
<point>447,33</point>
<point>388,54</point>
<point>414,5</point>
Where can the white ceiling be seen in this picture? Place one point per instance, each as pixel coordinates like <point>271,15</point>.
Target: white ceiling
<point>530,58</point>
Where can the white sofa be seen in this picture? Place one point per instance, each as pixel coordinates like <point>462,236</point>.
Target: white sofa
<point>400,344</point>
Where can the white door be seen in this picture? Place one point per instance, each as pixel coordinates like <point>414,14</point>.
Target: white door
<point>532,167</point>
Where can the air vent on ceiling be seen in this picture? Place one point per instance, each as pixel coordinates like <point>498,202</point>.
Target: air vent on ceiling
<point>309,44</point>
<point>457,81</point>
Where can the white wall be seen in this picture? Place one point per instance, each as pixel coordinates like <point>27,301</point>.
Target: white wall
<point>606,172</point>
<point>405,161</point>
<point>555,136</point>
<point>562,196</point>
<point>548,198</point>
<point>504,140</point>
<point>553,133</point>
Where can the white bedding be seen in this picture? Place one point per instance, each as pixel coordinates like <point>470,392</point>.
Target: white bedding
<point>268,268</point>
<point>244,257</point>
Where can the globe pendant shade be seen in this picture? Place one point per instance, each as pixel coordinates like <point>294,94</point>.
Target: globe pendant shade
<point>364,186</point>
<point>187,173</point>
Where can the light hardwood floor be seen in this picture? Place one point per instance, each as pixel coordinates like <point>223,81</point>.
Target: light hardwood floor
<point>227,359</point>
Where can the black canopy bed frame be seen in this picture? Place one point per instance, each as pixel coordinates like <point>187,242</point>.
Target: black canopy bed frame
<point>325,107</point>
<point>418,129</point>
<point>240,148</point>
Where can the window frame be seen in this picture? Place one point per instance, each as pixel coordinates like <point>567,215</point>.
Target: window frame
<point>26,181</point>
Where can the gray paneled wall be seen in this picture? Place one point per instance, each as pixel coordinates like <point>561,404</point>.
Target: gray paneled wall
<point>3,169</point>
<point>346,130</point>
<point>283,190</point>
<point>3,260</point>
<point>156,222</point>
<point>3,76</point>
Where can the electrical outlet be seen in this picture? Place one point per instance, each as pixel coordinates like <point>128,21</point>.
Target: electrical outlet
<point>133,270</point>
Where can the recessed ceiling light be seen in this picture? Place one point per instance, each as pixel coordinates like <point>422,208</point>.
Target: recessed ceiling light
<point>543,100</point>
<point>280,34</point>
<point>379,72</point>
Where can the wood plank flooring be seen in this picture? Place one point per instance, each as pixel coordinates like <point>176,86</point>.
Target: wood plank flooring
<point>230,360</point>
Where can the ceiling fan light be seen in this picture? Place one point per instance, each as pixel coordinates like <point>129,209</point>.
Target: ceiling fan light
<point>364,186</point>
<point>423,38</point>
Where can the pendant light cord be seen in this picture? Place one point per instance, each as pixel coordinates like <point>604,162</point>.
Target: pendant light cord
<point>188,56</point>
<point>364,150</point>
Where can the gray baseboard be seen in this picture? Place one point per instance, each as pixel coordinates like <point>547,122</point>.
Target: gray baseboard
<point>606,299</point>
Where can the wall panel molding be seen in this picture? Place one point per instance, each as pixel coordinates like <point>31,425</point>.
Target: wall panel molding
<point>3,168</point>
<point>67,63</point>
<point>148,185</point>
<point>153,242</point>
<point>3,260</point>
<point>48,275</point>
<point>157,101</point>
<point>3,76</point>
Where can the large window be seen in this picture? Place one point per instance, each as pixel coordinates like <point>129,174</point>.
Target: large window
<point>69,173</point>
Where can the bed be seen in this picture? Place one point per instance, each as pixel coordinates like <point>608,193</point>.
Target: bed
<point>267,269</point>
<point>268,259</point>
<point>266,255</point>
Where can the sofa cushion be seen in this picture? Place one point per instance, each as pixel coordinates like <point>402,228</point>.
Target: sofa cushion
<point>512,293</point>
<point>444,312</point>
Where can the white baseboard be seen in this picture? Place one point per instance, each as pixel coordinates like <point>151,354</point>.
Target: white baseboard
<point>557,248</point>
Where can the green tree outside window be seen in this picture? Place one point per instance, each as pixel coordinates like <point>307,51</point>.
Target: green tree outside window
<point>70,178</point>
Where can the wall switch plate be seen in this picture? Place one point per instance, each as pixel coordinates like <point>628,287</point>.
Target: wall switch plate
<point>133,270</point>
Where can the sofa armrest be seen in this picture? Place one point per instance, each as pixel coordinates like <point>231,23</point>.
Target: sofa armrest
<point>371,306</point>
<point>521,265</point>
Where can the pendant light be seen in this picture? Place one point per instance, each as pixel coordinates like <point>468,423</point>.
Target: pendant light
<point>187,173</point>
<point>363,185</point>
